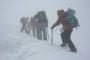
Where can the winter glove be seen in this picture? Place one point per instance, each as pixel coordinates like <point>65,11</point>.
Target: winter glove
<point>52,27</point>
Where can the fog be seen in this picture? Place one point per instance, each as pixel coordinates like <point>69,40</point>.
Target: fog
<point>12,10</point>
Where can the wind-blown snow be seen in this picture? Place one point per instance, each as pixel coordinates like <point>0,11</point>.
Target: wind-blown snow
<point>15,45</point>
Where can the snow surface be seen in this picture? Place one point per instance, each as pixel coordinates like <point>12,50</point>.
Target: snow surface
<point>20,46</point>
<point>15,45</point>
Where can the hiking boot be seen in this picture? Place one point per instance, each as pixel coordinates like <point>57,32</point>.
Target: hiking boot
<point>72,50</point>
<point>63,45</point>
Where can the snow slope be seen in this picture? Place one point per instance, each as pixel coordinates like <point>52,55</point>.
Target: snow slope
<point>20,46</point>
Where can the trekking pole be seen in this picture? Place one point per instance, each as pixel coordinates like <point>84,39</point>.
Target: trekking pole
<point>51,36</point>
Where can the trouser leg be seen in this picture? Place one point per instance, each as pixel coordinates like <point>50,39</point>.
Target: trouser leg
<point>44,34</point>
<point>38,31</point>
<point>25,27</point>
<point>22,28</point>
<point>33,31</point>
<point>63,37</point>
<point>69,42</point>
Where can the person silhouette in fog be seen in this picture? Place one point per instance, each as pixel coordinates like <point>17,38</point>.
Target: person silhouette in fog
<point>24,21</point>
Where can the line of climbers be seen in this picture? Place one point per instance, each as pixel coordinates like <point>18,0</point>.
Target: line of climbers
<point>39,24</point>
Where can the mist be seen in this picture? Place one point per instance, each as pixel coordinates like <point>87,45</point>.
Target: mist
<point>11,12</point>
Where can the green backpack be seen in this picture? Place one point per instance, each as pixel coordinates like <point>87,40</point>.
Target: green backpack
<point>71,19</point>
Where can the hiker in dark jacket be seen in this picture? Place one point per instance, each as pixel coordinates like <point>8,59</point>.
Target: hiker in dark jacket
<point>67,30</point>
<point>42,25</point>
<point>24,24</point>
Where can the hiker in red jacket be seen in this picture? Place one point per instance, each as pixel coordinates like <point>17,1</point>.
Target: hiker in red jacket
<point>32,26</point>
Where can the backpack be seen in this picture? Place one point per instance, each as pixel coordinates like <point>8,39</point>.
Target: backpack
<point>71,19</point>
<point>42,18</point>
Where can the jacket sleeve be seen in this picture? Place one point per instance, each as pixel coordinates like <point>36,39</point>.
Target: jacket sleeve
<point>56,24</point>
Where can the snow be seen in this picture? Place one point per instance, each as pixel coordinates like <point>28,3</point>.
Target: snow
<point>15,45</point>
<point>20,46</point>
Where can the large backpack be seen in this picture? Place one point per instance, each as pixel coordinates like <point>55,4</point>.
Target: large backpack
<point>42,18</point>
<point>71,19</point>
